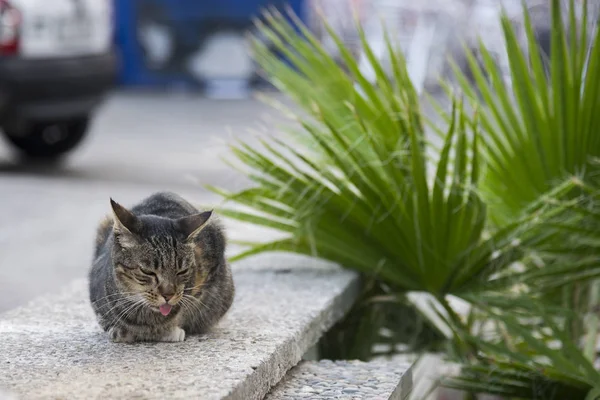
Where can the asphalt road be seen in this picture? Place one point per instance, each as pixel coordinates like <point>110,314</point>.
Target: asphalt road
<point>139,144</point>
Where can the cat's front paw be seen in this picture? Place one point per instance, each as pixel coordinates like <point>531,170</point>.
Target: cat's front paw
<point>175,335</point>
<point>120,335</point>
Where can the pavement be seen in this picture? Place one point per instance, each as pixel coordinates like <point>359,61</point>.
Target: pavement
<point>158,139</point>
<point>53,348</point>
<point>140,143</point>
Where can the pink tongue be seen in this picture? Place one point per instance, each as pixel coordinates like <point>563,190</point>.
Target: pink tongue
<point>165,309</point>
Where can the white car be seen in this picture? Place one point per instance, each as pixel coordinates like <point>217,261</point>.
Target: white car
<point>56,64</point>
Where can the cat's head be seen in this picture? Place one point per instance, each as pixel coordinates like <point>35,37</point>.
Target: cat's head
<point>155,258</point>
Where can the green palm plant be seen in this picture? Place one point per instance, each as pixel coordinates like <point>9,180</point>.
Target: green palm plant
<point>541,128</point>
<point>536,360</point>
<point>539,131</point>
<point>545,342</point>
<point>357,187</point>
<point>361,184</point>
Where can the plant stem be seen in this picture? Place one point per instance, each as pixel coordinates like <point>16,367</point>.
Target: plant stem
<point>466,348</point>
<point>592,321</point>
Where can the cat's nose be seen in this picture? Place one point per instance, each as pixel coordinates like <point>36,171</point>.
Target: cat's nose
<point>167,291</point>
<point>168,296</point>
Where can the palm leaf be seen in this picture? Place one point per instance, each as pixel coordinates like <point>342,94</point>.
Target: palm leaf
<point>538,130</point>
<point>529,366</point>
<point>362,194</point>
<point>357,186</point>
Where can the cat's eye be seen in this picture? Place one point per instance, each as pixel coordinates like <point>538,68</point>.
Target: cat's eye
<point>149,273</point>
<point>185,271</point>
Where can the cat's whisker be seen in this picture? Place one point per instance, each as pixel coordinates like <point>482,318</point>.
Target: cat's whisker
<point>114,306</point>
<point>198,299</point>
<point>196,302</point>
<point>121,294</point>
<point>196,309</point>
<point>185,306</point>
<point>131,304</point>
<point>200,286</point>
<point>123,314</point>
<point>190,305</point>
<point>134,309</point>
<point>120,302</point>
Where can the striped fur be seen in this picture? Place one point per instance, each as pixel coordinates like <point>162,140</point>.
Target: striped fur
<point>162,245</point>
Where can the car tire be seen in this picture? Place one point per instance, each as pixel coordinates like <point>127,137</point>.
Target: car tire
<point>48,140</point>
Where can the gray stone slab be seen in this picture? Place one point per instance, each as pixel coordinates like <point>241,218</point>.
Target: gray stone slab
<point>375,380</point>
<point>4,395</point>
<point>53,348</point>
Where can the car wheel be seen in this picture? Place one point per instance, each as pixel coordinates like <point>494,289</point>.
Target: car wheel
<point>48,140</point>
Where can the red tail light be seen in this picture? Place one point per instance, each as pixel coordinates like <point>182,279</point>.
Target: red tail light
<point>10,24</point>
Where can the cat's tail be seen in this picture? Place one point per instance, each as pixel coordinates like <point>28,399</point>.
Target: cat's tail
<point>102,234</point>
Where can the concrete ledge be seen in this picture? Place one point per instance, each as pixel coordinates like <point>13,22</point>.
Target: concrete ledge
<point>375,380</point>
<point>6,396</point>
<point>53,347</point>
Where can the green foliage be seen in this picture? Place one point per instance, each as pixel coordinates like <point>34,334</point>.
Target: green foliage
<point>544,342</point>
<point>541,128</point>
<point>509,203</point>
<point>360,195</point>
<point>533,356</point>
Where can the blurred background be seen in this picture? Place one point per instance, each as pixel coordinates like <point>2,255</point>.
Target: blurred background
<point>120,98</point>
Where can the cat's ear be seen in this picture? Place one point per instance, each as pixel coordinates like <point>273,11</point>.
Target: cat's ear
<point>125,224</point>
<point>123,217</point>
<point>191,226</point>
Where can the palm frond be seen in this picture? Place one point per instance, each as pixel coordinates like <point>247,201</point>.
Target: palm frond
<point>540,128</point>
<point>363,193</point>
<point>361,185</point>
<point>535,359</point>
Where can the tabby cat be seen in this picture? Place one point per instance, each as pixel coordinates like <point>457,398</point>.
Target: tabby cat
<point>159,271</point>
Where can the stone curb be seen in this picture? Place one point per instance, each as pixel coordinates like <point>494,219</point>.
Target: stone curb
<point>375,380</point>
<point>53,347</point>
